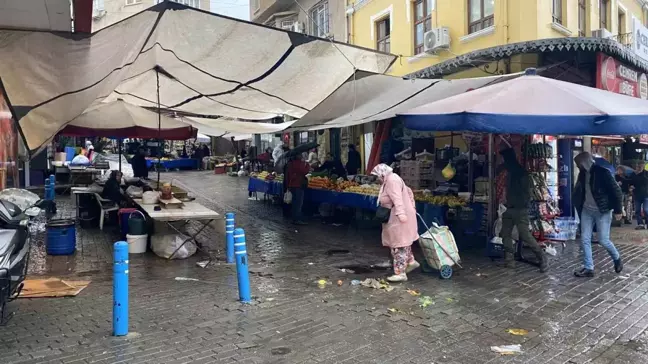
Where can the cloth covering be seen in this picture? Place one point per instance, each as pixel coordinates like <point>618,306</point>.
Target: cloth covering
<point>206,64</point>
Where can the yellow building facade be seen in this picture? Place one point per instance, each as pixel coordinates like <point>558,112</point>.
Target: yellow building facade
<point>399,26</point>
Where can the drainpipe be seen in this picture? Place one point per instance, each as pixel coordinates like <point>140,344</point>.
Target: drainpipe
<point>348,24</point>
<point>505,26</point>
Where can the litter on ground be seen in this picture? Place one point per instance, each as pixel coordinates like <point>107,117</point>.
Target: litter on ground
<point>507,349</point>
<point>518,332</point>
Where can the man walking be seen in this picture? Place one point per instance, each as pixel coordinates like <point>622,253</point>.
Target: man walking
<point>596,196</point>
<point>518,197</point>
<point>639,183</point>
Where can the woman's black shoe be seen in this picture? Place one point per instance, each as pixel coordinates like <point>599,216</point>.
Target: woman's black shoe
<point>618,265</point>
<point>584,273</point>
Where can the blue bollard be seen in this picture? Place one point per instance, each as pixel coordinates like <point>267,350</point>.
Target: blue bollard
<point>120,289</point>
<point>48,188</point>
<point>229,237</point>
<point>242,266</point>
<point>52,180</point>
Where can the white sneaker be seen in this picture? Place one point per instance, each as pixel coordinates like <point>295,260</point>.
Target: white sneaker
<point>398,278</point>
<point>412,266</point>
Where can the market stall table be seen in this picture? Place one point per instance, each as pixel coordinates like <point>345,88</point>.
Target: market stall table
<point>190,163</point>
<point>188,211</point>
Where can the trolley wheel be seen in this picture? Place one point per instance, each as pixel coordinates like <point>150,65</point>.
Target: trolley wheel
<point>445,272</point>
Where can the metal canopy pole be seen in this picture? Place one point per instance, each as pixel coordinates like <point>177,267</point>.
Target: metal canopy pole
<point>157,77</point>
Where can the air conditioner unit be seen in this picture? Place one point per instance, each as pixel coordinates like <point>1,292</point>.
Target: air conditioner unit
<point>298,27</point>
<point>435,39</point>
<point>98,14</point>
<point>601,33</point>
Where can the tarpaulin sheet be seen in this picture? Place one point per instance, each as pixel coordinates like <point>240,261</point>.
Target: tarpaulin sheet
<point>123,120</point>
<point>371,97</point>
<point>206,64</point>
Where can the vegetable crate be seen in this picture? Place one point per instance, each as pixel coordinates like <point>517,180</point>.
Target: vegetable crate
<point>440,249</point>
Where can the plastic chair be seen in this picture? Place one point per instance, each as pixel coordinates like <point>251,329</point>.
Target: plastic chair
<point>106,206</point>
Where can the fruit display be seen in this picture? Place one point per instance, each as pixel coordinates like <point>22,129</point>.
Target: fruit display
<point>344,185</point>
<point>369,190</point>
<point>267,176</point>
<point>450,201</point>
<point>322,183</point>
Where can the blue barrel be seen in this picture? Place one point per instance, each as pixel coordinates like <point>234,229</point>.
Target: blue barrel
<point>61,237</point>
<point>70,152</point>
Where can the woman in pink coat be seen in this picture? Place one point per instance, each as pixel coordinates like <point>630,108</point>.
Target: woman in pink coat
<point>401,230</point>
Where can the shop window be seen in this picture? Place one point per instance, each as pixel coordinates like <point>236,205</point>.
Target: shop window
<point>383,32</point>
<point>582,17</point>
<point>558,11</point>
<point>480,14</point>
<point>319,20</point>
<point>304,137</point>
<point>422,22</point>
<point>603,14</point>
<point>288,24</point>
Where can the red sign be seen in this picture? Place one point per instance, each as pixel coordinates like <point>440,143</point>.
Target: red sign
<point>614,76</point>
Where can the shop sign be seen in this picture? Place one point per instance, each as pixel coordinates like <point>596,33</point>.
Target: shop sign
<point>619,78</point>
<point>640,41</point>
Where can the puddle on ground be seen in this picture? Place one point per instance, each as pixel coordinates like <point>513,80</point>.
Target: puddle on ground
<point>362,269</point>
<point>337,251</point>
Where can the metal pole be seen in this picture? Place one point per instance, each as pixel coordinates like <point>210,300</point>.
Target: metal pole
<point>157,77</point>
<point>52,187</point>
<point>242,273</point>
<point>491,183</point>
<point>120,289</point>
<point>229,237</point>
<point>48,187</point>
<point>119,147</point>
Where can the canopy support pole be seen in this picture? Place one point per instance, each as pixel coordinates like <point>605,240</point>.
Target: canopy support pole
<point>491,181</point>
<point>157,78</point>
<point>119,148</point>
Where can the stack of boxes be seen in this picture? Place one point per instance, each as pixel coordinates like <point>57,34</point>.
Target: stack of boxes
<point>418,175</point>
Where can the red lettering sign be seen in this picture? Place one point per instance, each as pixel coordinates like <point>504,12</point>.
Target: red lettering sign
<point>616,77</point>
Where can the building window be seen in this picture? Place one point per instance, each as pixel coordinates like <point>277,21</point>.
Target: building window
<point>319,24</point>
<point>480,14</point>
<point>97,6</point>
<point>603,14</point>
<point>557,11</point>
<point>133,2</point>
<point>304,137</point>
<point>192,3</point>
<point>422,22</point>
<point>256,4</point>
<point>582,17</point>
<point>622,23</point>
<point>383,31</point>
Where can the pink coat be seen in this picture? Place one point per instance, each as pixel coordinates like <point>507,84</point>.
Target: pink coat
<point>400,199</point>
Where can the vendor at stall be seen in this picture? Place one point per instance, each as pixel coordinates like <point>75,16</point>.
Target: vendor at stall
<point>332,166</point>
<point>112,189</point>
<point>139,164</point>
<point>353,161</point>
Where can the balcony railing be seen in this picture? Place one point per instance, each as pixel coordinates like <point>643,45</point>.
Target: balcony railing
<point>625,39</point>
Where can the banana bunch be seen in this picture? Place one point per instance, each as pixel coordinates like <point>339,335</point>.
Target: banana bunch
<point>451,201</point>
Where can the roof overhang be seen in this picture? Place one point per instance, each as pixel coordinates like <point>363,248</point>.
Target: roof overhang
<point>50,15</point>
<point>487,55</point>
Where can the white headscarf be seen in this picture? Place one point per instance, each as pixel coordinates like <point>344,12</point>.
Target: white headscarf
<point>382,171</point>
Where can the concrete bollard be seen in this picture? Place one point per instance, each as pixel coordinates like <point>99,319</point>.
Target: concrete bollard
<point>120,289</point>
<point>229,237</point>
<point>242,273</point>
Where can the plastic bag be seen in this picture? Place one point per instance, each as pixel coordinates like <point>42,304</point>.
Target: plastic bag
<point>435,243</point>
<point>287,199</point>
<point>135,191</point>
<point>164,245</point>
<point>497,228</point>
<point>448,172</point>
<point>22,198</point>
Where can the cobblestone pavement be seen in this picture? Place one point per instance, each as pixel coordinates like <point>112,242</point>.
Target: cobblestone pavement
<point>570,320</point>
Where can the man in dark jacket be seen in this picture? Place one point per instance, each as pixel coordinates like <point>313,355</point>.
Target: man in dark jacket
<point>138,162</point>
<point>353,161</point>
<point>639,183</point>
<point>295,180</point>
<point>596,196</point>
<point>518,197</point>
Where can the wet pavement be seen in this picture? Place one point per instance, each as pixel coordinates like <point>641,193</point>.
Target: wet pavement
<point>295,320</point>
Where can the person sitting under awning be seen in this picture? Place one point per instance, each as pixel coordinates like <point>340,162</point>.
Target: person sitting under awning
<point>112,189</point>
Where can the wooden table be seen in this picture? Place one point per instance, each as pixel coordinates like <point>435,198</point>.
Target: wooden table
<point>189,211</point>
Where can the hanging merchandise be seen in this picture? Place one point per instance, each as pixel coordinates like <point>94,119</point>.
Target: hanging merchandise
<point>544,207</point>
<point>448,172</point>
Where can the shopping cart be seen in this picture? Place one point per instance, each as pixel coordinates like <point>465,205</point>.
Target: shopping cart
<point>440,249</point>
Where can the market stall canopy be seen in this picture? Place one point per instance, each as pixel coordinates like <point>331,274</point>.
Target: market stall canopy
<point>533,104</point>
<point>369,97</point>
<point>120,119</point>
<point>206,64</point>
<point>240,130</point>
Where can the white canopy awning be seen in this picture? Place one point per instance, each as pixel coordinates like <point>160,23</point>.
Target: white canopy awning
<point>206,63</point>
<point>372,97</point>
<point>235,128</point>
